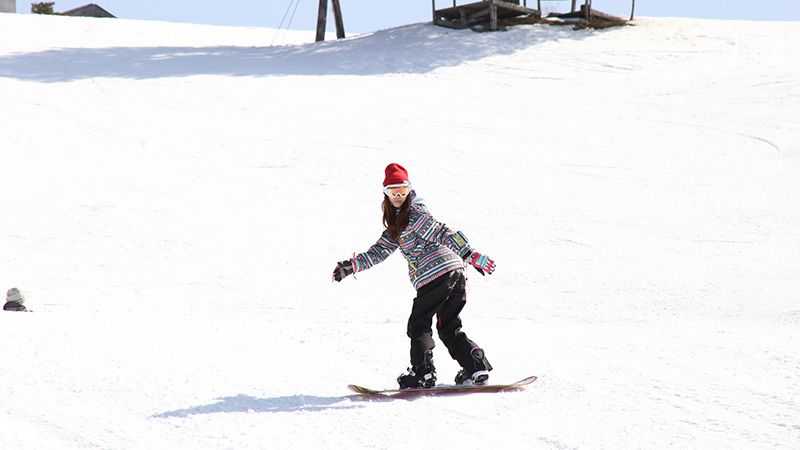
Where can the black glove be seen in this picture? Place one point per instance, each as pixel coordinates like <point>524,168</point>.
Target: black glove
<point>343,269</point>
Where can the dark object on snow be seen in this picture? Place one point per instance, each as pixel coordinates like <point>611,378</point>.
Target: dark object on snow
<point>15,301</point>
<point>597,19</point>
<point>42,8</point>
<point>14,306</point>
<point>90,10</point>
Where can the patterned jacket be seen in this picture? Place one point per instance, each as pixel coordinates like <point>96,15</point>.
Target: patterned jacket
<point>430,248</point>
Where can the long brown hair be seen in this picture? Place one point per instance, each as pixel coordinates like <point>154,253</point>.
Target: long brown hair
<point>393,219</point>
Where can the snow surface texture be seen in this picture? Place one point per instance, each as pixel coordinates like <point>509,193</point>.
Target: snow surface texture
<point>174,199</point>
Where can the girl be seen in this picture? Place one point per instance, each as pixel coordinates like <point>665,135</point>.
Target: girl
<point>436,257</point>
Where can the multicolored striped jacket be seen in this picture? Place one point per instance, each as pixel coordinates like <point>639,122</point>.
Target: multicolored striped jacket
<point>430,248</point>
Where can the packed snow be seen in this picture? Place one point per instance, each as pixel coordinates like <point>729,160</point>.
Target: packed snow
<point>174,198</point>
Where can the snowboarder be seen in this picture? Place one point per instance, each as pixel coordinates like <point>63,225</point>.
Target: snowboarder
<point>436,259</point>
<point>15,301</point>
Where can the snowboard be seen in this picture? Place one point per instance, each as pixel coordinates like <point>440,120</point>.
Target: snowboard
<point>441,389</point>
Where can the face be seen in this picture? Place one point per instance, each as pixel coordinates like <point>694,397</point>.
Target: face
<point>397,195</point>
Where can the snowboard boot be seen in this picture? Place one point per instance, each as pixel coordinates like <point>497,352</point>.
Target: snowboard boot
<point>479,373</point>
<point>419,376</point>
<point>412,379</point>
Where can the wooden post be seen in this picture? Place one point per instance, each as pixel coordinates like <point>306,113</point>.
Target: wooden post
<point>322,19</point>
<point>337,14</point>
<point>588,6</point>
<point>492,15</point>
<point>633,7</point>
<point>433,9</point>
<point>573,5</point>
<point>538,6</point>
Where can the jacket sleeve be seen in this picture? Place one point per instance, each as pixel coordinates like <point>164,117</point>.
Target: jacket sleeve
<point>376,254</point>
<point>431,230</point>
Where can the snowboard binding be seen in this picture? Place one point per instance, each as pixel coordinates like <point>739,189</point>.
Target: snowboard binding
<point>479,373</point>
<point>422,376</point>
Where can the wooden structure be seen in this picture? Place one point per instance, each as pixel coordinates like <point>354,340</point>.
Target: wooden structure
<point>586,17</point>
<point>589,13</point>
<point>322,19</point>
<point>488,15</point>
<point>90,10</point>
<point>491,15</point>
<point>484,13</point>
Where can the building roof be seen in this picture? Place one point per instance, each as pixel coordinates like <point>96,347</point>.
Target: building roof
<point>90,10</point>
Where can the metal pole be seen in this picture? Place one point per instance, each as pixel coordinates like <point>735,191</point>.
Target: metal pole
<point>633,7</point>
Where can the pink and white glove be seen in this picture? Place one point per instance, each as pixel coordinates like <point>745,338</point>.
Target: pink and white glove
<point>481,263</point>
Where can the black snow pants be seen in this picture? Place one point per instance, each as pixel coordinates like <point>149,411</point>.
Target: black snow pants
<point>444,297</point>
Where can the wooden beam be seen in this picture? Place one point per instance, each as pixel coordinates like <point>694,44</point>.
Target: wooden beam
<point>512,6</point>
<point>598,15</point>
<point>448,24</point>
<point>493,15</point>
<point>477,16</point>
<point>512,21</point>
<point>322,19</point>
<point>337,14</point>
<point>469,6</point>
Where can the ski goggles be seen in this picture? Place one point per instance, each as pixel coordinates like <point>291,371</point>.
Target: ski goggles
<point>397,190</point>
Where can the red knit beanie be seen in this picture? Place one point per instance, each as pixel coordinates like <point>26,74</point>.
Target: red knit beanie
<point>395,174</point>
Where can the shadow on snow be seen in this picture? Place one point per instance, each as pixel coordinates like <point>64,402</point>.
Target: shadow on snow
<point>246,403</point>
<point>418,48</point>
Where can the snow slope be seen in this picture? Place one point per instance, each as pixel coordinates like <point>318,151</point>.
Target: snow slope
<point>174,198</point>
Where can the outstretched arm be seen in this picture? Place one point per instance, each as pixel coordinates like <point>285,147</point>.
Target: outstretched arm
<point>363,261</point>
<point>376,254</point>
